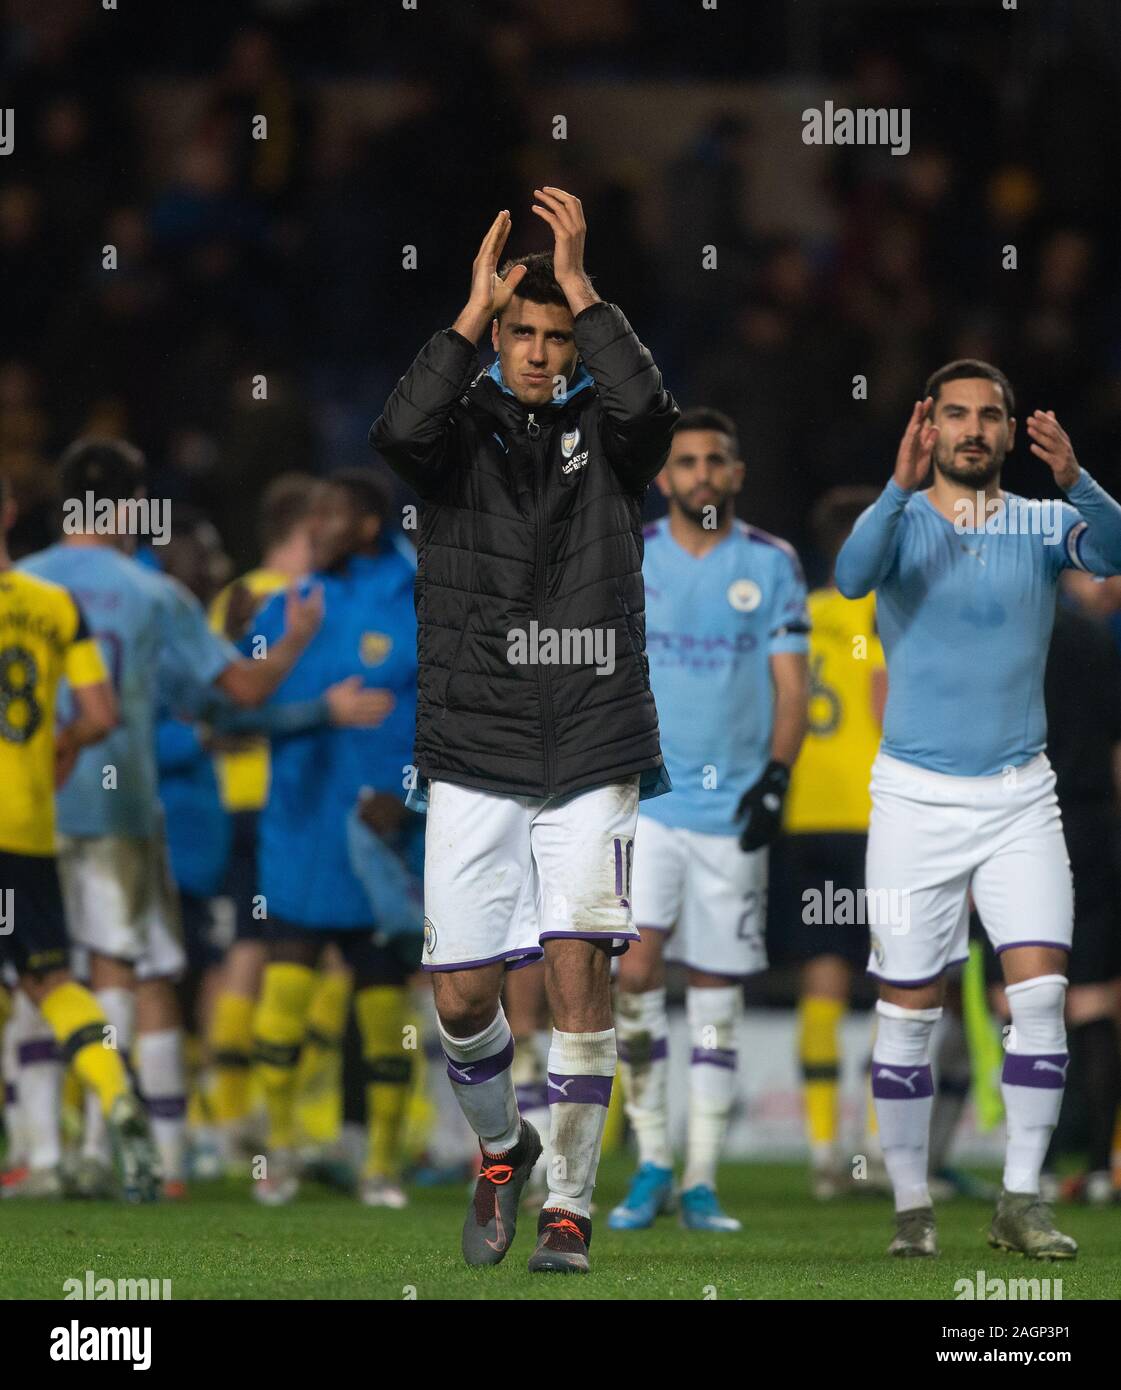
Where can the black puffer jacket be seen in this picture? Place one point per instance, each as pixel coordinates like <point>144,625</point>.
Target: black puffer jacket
<point>531,516</point>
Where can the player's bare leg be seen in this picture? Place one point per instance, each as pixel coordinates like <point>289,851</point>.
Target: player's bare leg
<point>903,1091</point>
<point>582,1062</point>
<point>642,1027</point>
<point>479,1048</point>
<point>1032,1083</point>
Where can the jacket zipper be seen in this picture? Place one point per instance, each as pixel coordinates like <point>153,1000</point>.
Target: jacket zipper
<point>533,429</point>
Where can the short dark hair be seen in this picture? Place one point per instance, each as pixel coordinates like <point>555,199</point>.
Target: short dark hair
<point>703,417</point>
<point>367,491</point>
<point>834,514</point>
<point>963,369</point>
<point>284,504</point>
<point>539,283</point>
<point>109,468</point>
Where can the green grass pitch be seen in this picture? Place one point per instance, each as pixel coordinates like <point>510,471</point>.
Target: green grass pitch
<point>218,1244</point>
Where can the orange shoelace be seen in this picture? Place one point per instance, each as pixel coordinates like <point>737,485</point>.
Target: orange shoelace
<point>497,1173</point>
<point>565,1225</point>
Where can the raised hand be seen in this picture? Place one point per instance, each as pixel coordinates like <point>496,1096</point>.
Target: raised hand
<point>489,293</point>
<point>912,462</point>
<point>1051,443</point>
<point>565,214</point>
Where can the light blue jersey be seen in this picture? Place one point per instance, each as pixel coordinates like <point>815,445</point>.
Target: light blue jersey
<point>137,615</point>
<point>712,624</point>
<point>965,615</point>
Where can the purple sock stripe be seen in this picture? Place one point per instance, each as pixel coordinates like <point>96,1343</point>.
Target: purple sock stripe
<point>714,1057</point>
<point>485,1069</point>
<point>534,1096</point>
<point>38,1050</point>
<point>166,1107</point>
<point>894,1081</point>
<point>579,1090</point>
<point>9,1093</point>
<point>618,867</point>
<point>659,1050</point>
<point>1048,1071</point>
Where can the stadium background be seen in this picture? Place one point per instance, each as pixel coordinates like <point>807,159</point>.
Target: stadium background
<point>390,128</point>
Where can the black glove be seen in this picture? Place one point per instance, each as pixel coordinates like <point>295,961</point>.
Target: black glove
<point>762,805</point>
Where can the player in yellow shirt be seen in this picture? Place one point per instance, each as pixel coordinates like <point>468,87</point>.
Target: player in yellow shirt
<point>43,638</point>
<point>243,779</point>
<point>827,812</point>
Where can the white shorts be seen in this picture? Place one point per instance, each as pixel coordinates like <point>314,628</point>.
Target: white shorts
<point>707,893</point>
<point>934,838</point>
<point>121,900</point>
<point>504,873</point>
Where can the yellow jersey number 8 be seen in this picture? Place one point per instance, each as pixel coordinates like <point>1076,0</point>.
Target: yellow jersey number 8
<point>20,712</point>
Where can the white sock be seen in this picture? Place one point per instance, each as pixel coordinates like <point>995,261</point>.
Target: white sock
<point>903,1091</point>
<point>451,1141</point>
<point>1034,1076</point>
<point>39,1084</point>
<point>479,1070</point>
<point>120,1010</point>
<point>162,1072</point>
<point>952,1077</point>
<point>581,1068</point>
<point>642,1028</point>
<point>13,1113</point>
<point>712,1015</point>
<point>531,1091</point>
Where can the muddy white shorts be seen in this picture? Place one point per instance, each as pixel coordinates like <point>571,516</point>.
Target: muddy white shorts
<point>934,838</point>
<point>121,900</point>
<point>705,893</point>
<point>502,874</point>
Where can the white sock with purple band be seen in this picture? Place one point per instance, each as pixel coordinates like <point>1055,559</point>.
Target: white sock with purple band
<point>581,1068</point>
<point>712,1015</point>
<point>1034,1076</point>
<point>531,1092</point>
<point>161,1070</point>
<point>479,1070</point>
<point>39,1085</point>
<point>120,1010</point>
<point>903,1094</point>
<point>642,1027</point>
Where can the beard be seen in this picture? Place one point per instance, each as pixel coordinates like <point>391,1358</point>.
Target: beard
<point>957,469</point>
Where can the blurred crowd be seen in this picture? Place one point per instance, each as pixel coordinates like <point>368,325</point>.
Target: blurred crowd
<point>238,258</point>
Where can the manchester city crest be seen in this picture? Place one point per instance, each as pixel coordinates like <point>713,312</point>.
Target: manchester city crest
<point>569,442</point>
<point>744,595</point>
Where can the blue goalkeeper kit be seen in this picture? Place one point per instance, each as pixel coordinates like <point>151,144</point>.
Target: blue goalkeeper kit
<point>368,630</point>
